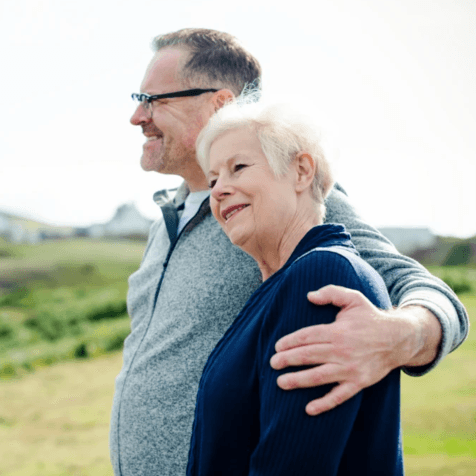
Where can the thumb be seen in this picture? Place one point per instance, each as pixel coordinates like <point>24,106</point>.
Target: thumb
<point>336,295</point>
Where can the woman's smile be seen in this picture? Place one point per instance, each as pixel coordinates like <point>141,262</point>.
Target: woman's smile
<point>231,211</point>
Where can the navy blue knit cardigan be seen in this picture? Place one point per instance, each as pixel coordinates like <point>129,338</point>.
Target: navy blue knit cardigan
<point>246,425</point>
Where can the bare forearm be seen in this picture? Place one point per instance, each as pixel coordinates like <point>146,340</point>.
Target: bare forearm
<point>405,279</point>
<point>424,338</point>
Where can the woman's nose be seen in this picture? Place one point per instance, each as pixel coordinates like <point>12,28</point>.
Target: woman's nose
<point>221,189</point>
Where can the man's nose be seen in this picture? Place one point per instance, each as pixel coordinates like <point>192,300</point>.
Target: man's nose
<point>140,116</point>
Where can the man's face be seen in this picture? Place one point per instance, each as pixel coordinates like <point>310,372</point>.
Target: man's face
<point>172,126</point>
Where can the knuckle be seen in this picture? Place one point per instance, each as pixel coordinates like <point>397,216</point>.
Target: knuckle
<point>356,388</point>
<point>357,383</point>
<point>354,369</point>
<point>338,396</point>
<point>338,399</point>
<point>345,351</point>
<point>364,381</point>
<point>307,355</point>
<point>302,337</point>
<point>315,377</point>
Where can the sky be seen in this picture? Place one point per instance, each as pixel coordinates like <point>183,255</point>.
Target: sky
<point>392,83</point>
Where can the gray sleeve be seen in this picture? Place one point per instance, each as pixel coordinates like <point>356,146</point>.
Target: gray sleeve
<point>407,281</point>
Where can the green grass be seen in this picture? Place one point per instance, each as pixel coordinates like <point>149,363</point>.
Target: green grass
<point>78,262</point>
<point>439,412</point>
<point>63,300</point>
<point>462,279</point>
<point>55,421</point>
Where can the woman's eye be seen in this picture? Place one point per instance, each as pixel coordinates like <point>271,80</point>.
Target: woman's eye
<point>240,166</point>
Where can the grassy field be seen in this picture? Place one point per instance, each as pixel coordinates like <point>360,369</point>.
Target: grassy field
<point>63,300</point>
<point>54,419</point>
<point>439,413</point>
<point>64,303</point>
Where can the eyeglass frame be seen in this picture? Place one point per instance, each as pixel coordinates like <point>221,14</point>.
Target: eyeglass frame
<point>144,98</point>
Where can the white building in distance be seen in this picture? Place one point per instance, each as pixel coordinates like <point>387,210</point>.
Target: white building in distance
<point>408,240</point>
<point>126,222</point>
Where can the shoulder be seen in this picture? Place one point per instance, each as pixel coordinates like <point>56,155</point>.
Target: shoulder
<point>156,226</point>
<point>338,266</point>
<point>284,300</point>
<point>338,207</point>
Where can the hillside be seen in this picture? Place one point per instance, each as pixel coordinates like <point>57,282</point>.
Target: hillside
<point>448,251</point>
<point>63,300</point>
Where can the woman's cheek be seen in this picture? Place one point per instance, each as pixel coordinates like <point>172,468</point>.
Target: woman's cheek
<point>214,207</point>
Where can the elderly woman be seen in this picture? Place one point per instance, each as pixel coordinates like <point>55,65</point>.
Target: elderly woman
<point>269,178</point>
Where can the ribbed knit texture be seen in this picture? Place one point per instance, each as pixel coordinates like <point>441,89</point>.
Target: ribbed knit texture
<point>181,302</point>
<point>246,425</point>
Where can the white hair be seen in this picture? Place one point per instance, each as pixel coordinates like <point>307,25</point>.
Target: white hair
<point>282,132</point>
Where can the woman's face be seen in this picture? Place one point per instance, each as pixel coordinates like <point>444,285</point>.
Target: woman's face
<point>252,205</point>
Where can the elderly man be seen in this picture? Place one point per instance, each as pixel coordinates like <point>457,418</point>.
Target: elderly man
<point>192,282</point>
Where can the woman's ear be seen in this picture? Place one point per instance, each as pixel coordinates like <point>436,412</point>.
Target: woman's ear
<point>305,167</point>
<point>222,97</point>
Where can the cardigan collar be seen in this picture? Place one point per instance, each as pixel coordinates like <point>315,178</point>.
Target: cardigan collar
<point>322,236</point>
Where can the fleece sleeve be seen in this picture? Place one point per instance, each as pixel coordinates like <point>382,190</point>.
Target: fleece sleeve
<point>291,442</point>
<point>407,281</point>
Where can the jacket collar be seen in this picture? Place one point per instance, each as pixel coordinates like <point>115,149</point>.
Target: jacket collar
<point>162,197</point>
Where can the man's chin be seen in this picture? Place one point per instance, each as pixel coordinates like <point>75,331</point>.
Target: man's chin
<point>148,164</point>
<point>145,166</point>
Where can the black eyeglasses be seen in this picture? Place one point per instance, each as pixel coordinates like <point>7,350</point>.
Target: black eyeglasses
<point>147,99</point>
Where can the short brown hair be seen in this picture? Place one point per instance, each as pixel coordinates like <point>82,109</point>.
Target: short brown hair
<point>217,60</point>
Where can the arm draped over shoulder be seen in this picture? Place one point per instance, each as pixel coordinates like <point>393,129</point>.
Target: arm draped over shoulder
<point>407,281</point>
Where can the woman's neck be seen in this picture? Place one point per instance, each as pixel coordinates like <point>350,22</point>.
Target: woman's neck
<point>272,253</point>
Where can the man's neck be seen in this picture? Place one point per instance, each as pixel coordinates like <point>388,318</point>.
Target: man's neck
<point>195,179</point>
<point>193,187</point>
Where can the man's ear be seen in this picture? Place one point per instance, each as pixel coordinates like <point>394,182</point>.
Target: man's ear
<point>222,97</point>
<point>305,167</point>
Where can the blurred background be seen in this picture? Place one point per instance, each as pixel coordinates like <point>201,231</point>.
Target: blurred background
<point>392,84</point>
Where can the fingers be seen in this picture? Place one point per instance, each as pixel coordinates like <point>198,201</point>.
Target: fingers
<point>304,355</point>
<point>324,374</point>
<point>336,295</point>
<point>353,304</point>
<point>334,398</point>
<point>303,337</point>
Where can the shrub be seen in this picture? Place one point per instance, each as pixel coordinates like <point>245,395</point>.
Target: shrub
<point>7,370</point>
<point>108,311</point>
<point>67,313</point>
<point>459,254</point>
<point>47,325</point>
<point>13,298</point>
<point>6,330</point>
<point>459,284</point>
<point>116,342</point>
<point>81,351</point>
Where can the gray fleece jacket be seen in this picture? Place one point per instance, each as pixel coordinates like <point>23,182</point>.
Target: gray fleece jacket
<point>181,301</point>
